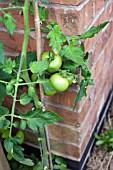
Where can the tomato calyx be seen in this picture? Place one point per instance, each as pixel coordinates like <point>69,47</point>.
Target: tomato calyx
<point>55,61</point>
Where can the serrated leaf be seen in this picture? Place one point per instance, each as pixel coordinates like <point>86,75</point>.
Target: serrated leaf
<point>73,53</point>
<point>32,124</point>
<point>4,123</point>
<point>38,66</point>
<point>31,91</point>
<point>48,117</point>
<point>92,31</point>
<point>43,13</point>
<point>20,135</point>
<point>8,144</point>
<point>3,111</point>
<point>48,87</point>
<point>1,53</point>
<point>17,153</point>
<point>37,118</point>
<point>56,38</point>
<point>70,65</point>
<point>5,134</point>
<point>23,124</point>
<point>25,99</point>
<point>81,93</point>
<point>9,23</point>
<point>30,57</point>
<point>4,76</point>
<point>8,65</point>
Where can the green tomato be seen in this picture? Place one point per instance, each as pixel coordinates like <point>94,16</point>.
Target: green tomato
<point>49,92</point>
<point>48,88</point>
<point>58,82</point>
<point>55,61</point>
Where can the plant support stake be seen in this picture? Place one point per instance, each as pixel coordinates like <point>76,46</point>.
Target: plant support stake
<point>46,154</point>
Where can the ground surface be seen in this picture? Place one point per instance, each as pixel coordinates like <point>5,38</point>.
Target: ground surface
<point>100,159</point>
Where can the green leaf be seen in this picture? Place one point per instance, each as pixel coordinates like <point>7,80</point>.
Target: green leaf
<point>46,1</point>
<point>32,113</point>
<point>47,86</point>
<point>1,19</point>
<point>81,93</point>
<point>99,142</point>
<point>16,124</point>
<point>2,92</point>
<point>43,13</point>
<point>25,99</point>
<point>4,123</point>
<point>8,144</point>
<point>30,57</point>
<point>38,66</point>
<point>9,23</point>
<point>17,153</point>
<point>31,91</point>
<point>22,124</point>
<point>3,111</point>
<point>9,89</point>
<point>73,53</point>
<point>92,31</point>
<point>4,76</point>
<point>32,124</point>
<point>27,162</point>
<point>20,135</point>
<point>47,117</point>
<point>5,134</point>
<point>37,118</point>
<point>8,65</point>
<point>70,65</point>
<point>56,38</point>
<point>1,53</point>
<point>96,135</point>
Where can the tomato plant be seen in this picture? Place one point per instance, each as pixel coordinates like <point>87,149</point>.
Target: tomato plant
<point>55,61</point>
<point>15,74</point>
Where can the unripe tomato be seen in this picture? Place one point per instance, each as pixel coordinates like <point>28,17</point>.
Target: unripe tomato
<point>49,92</point>
<point>58,82</point>
<point>55,61</point>
<point>48,88</point>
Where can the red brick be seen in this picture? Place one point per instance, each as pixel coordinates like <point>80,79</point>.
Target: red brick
<point>66,134</point>
<point>97,5</point>
<point>61,98</point>
<point>97,67</point>
<point>66,2</point>
<point>14,43</point>
<point>19,18</point>
<point>64,149</point>
<point>72,22</point>
<point>109,10</point>
<point>69,117</point>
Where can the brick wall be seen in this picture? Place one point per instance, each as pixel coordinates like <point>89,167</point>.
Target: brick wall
<point>70,136</point>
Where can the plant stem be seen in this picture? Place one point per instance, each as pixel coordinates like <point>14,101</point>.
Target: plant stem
<point>23,57</point>
<point>11,8</point>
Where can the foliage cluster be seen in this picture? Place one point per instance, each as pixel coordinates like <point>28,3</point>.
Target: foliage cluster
<point>17,73</point>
